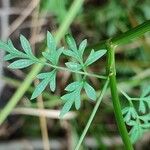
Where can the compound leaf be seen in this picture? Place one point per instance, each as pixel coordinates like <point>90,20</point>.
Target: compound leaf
<point>90,91</point>
<point>22,63</point>
<point>94,56</point>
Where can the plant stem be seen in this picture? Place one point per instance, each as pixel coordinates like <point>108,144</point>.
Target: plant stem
<point>75,7</point>
<point>92,115</point>
<point>84,72</point>
<point>111,71</point>
<point>125,37</point>
<point>132,33</point>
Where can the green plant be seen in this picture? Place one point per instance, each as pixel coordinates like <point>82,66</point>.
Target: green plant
<point>137,119</point>
<point>79,65</point>
<point>52,55</point>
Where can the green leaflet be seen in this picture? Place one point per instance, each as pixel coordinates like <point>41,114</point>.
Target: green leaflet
<point>145,126</point>
<point>90,91</point>
<point>71,54</point>
<point>129,113</point>
<point>74,90</point>
<point>77,98</point>
<point>40,88</point>
<point>71,42</point>
<point>51,44</point>
<point>145,118</point>
<point>15,52</point>
<point>142,103</point>
<point>28,58</point>
<point>72,86</point>
<point>66,108</point>
<point>26,46</point>
<point>131,123</point>
<point>148,102</point>
<point>22,63</point>
<point>49,57</point>
<point>9,57</point>
<point>53,57</point>
<point>53,82</point>
<point>47,78</point>
<point>145,91</point>
<point>135,133</point>
<point>44,75</point>
<point>73,66</point>
<point>125,110</point>
<point>58,53</point>
<point>82,47</point>
<point>142,107</point>
<point>52,54</point>
<point>94,56</point>
<point>66,97</point>
<point>5,47</point>
<point>73,97</point>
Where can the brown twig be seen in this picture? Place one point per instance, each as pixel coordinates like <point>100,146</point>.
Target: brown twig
<point>24,14</point>
<point>49,113</point>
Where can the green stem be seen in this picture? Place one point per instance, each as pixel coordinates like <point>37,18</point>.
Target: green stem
<point>111,71</point>
<point>125,37</point>
<point>75,7</point>
<point>78,72</point>
<point>92,115</point>
<point>132,34</point>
